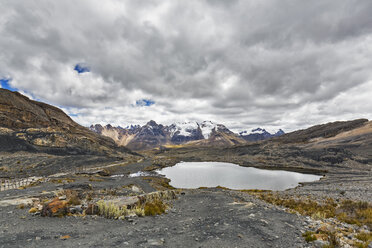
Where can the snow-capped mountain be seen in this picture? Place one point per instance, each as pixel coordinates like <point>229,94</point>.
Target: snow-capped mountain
<point>154,135</point>
<point>259,134</point>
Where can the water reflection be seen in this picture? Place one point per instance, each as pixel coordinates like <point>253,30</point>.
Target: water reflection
<point>212,174</point>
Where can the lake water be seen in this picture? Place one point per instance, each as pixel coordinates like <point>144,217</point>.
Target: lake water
<point>232,176</point>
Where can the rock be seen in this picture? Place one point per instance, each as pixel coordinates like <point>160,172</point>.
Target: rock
<point>65,237</point>
<point>104,173</point>
<point>92,210</point>
<point>320,243</point>
<point>321,236</point>
<point>33,210</point>
<point>78,186</point>
<point>75,210</point>
<point>264,221</point>
<point>55,208</point>
<point>325,228</point>
<point>37,238</point>
<point>136,189</point>
<point>155,242</point>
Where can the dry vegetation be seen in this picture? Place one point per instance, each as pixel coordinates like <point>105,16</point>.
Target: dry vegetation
<point>351,212</point>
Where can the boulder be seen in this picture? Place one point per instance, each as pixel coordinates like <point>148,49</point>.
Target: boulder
<point>55,208</point>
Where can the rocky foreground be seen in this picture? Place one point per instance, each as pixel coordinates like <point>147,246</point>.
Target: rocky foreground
<point>215,217</point>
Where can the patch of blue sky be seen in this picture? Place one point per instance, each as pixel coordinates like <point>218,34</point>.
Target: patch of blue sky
<point>6,85</point>
<point>144,102</point>
<point>81,68</point>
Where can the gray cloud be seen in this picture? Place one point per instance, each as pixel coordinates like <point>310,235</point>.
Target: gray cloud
<point>281,64</point>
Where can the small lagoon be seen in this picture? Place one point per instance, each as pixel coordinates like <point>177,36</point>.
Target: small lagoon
<point>191,175</point>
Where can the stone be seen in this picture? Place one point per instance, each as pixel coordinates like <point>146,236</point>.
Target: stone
<point>75,210</point>
<point>136,189</point>
<point>65,237</point>
<point>37,238</point>
<point>55,208</point>
<point>92,209</point>
<point>155,242</point>
<point>320,243</point>
<point>326,228</point>
<point>264,221</point>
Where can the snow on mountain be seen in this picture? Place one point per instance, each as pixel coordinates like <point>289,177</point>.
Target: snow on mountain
<point>184,128</point>
<point>189,128</point>
<point>259,134</point>
<point>259,131</point>
<point>203,133</point>
<point>207,127</point>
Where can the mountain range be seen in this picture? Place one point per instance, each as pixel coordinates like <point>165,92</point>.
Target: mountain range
<point>204,133</point>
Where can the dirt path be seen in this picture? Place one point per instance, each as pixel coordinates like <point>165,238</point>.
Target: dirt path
<point>200,218</point>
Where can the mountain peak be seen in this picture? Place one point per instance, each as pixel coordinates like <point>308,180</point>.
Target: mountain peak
<point>151,123</point>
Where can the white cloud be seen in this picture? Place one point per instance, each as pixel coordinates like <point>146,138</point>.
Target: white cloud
<point>276,64</point>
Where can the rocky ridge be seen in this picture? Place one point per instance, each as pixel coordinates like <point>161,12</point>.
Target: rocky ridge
<point>154,135</point>
<point>27,125</point>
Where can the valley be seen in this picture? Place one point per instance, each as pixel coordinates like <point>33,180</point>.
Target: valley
<point>81,193</point>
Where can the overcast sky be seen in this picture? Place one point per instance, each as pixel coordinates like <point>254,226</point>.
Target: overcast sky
<point>275,64</point>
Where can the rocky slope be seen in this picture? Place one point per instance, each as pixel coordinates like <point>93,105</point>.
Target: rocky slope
<point>205,133</point>
<point>27,125</point>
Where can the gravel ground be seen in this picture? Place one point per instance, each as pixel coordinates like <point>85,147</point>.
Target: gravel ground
<point>199,218</point>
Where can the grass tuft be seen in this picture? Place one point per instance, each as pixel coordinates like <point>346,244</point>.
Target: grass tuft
<point>364,236</point>
<point>154,207</point>
<point>309,236</point>
<point>110,210</point>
